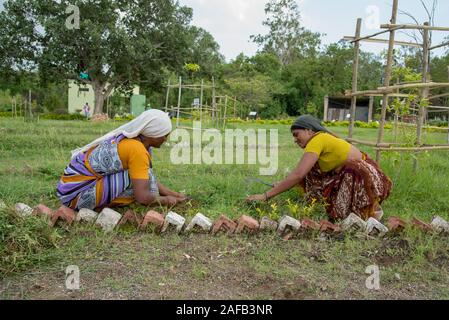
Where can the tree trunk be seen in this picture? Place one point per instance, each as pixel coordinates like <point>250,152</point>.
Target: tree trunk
<point>99,97</point>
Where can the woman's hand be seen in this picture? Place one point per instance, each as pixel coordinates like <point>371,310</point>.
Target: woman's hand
<point>169,201</point>
<point>257,198</point>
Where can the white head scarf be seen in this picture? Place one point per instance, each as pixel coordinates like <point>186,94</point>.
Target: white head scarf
<point>152,124</point>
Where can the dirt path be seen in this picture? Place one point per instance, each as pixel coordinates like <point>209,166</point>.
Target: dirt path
<point>201,267</point>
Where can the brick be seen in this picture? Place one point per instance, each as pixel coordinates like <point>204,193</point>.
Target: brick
<point>87,215</point>
<point>310,225</point>
<point>396,224</point>
<point>287,224</point>
<point>440,225</point>
<point>173,219</point>
<point>200,221</point>
<point>353,223</point>
<point>224,224</point>
<point>328,227</point>
<point>153,218</point>
<point>23,210</point>
<point>63,213</point>
<point>375,228</point>
<point>421,225</point>
<point>43,210</point>
<point>130,217</point>
<point>266,224</point>
<point>108,219</point>
<point>247,223</point>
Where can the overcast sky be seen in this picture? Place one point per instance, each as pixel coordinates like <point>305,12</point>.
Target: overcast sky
<point>232,22</point>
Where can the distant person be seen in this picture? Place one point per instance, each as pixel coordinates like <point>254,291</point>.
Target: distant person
<point>86,110</point>
<point>335,171</point>
<point>117,169</point>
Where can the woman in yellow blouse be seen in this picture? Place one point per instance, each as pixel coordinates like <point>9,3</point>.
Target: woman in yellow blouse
<point>335,171</point>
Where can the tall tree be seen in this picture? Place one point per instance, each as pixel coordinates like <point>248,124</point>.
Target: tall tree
<point>286,37</point>
<point>118,43</point>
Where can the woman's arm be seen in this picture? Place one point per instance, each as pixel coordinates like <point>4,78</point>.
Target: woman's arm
<point>143,195</point>
<point>165,191</point>
<point>294,178</point>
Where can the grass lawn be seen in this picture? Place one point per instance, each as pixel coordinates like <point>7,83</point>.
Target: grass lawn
<point>129,264</point>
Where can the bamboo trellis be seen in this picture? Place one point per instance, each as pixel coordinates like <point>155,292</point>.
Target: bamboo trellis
<point>387,90</point>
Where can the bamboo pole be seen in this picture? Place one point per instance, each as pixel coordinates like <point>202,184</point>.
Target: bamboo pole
<point>167,96</point>
<point>385,41</point>
<point>415,86</point>
<point>355,77</point>
<point>201,102</point>
<point>225,112</point>
<point>214,105</point>
<point>413,149</point>
<point>413,27</point>
<point>388,71</point>
<point>367,93</point>
<point>370,143</point>
<point>326,108</point>
<point>439,96</point>
<point>370,109</point>
<point>179,101</point>
<point>373,35</point>
<point>424,92</point>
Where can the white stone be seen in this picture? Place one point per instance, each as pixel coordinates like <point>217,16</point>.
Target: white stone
<point>108,219</point>
<point>353,221</point>
<point>202,221</point>
<point>2,205</point>
<point>440,225</point>
<point>87,215</point>
<point>286,222</point>
<point>375,227</point>
<point>175,219</point>
<point>23,210</point>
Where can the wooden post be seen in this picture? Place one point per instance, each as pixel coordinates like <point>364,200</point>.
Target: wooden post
<point>388,70</point>
<point>370,109</point>
<point>225,112</point>
<point>179,101</point>
<point>214,105</point>
<point>167,96</point>
<point>424,92</point>
<point>201,102</point>
<point>235,105</point>
<point>326,108</point>
<point>355,71</point>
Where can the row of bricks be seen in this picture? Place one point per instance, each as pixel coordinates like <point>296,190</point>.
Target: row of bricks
<point>287,226</point>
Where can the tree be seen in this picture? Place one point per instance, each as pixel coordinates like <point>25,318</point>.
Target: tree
<point>119,43</point>
<point>286,38</point>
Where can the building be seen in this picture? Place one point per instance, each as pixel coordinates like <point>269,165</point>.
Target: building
<point>338,108</point>
<point>79,94</point>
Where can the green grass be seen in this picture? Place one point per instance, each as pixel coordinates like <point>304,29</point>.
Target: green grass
<point>34,155</point>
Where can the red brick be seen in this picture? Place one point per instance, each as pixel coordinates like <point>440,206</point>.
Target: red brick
<point>132,218</point>
<point>247,223</point>
<point>224,224</point>
<point>328,227</point>
<point>396,224</point>
<point>66,214</point>
<point>43,210</point>
<point>153,218</point>
<point>421,225</point>
<point>310,225</point>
